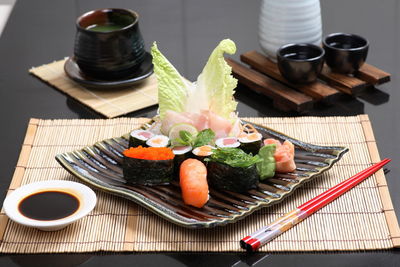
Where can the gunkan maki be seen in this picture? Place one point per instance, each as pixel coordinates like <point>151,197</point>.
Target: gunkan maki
<point>148,165</point>
<point>232,169</point>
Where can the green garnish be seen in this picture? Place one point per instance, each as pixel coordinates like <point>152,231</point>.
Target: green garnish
<point>204,137</point>
<point>234,157</point>
<point>266,167</point>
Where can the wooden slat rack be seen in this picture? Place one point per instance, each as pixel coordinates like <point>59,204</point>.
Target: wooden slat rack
<point>263,76</point>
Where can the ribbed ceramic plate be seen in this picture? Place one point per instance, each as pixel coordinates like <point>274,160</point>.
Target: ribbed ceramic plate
<point>100,166</point>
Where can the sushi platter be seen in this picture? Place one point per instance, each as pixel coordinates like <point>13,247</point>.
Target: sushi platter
<point>197,164</point>
<point>100,165</point>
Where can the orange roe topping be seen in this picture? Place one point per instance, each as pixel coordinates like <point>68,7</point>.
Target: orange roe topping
<point>149,153</point>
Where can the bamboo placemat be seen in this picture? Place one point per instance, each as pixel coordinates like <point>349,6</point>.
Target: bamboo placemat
<point>110,103</point>
<point>362,219</point>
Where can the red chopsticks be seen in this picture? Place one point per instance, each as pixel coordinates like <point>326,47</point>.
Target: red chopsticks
<point>269,232</point>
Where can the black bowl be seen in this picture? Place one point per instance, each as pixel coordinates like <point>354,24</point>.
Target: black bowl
<point>345,53</point>
<point>300,63</point>
<point>108,43</point>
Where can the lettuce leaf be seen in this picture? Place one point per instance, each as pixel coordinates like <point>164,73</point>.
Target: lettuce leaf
<point>213,90</point>
<point>172,87</point>
<point>215,85</point>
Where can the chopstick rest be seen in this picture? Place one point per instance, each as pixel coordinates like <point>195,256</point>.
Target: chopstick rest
<point>252,242</point>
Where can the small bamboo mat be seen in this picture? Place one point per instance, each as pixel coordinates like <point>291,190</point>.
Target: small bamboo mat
<point>110,103</point>
<point>362,219</point>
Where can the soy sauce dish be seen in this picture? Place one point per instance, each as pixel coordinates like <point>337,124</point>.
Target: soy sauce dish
<point>49,205</point>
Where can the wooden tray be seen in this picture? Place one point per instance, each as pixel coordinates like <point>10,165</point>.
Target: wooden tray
<point>264,77</point>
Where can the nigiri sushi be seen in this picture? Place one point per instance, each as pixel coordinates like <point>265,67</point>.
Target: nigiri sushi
<point>193,182</point>
<point>284,155</point>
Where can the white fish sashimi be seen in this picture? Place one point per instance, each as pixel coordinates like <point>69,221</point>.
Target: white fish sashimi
<point>204,120</point>
<point>200,121</point>
<point>171,118</point>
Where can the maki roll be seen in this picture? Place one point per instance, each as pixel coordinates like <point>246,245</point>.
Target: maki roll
<point>232,169</point>
<point>139,137</point>
<point>181,153</point>
<point>158,141</point>
<point>227,142</point>
<point>202,152</point>
<point>148,165</point>
<point>250,142</point>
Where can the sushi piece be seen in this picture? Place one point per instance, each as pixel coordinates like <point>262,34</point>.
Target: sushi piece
<point>250,142</point>
<point>232,169</point>
<point>237,179</point>
<point>148,165</point>
<point>284,155</point>
<point>181,153</point>
<point>158,141</point>
<point>139,137</point>
<point>202,152</point>
<point>193,182</point>
<point>227,142</point>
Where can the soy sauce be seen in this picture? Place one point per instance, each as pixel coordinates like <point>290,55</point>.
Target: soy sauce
<point>48,205</point>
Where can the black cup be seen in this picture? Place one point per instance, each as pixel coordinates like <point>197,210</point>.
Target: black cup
<point>300,63</point>
<point>108,43</point>
<point>345,53</point>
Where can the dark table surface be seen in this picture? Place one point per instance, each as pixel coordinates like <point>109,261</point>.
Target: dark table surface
<point>41,31</point>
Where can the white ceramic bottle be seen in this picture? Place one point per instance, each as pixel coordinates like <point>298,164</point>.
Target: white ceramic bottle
<point>288,21</point>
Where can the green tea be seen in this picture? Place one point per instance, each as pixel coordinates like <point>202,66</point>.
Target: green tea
<point>109,27</point>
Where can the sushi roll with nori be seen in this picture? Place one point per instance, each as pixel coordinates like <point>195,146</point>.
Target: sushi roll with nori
<point>181,153</point>
<point>148,165</point>
<point>139,137</point>
<point>227,142</point>
<point>202,152</point>
<point>158,141</point>
<point>232,169</point>
<point>250,142</point>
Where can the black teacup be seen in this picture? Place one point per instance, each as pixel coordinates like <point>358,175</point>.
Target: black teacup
<point>108,43</point>
<point>345,53</point>
<point>300,63</point>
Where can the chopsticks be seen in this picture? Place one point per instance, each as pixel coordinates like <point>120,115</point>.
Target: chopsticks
<point>264,235</point>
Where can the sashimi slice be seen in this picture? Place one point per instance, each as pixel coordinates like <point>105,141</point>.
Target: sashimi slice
<point>218,124</point>
<point>193,182</point>
<point>171,118</point>
<point>204,120</point>
<point>236,128</point>
<point>200,121</point>
<point>269,141</point>
<point>290,146</point>
<point>284,155</point>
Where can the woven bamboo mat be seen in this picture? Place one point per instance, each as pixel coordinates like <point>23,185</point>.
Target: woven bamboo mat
<point>110,103</point>
<point>362,219</point>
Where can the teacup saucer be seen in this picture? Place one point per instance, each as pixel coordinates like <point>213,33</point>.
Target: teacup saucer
<point>72,70</point>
